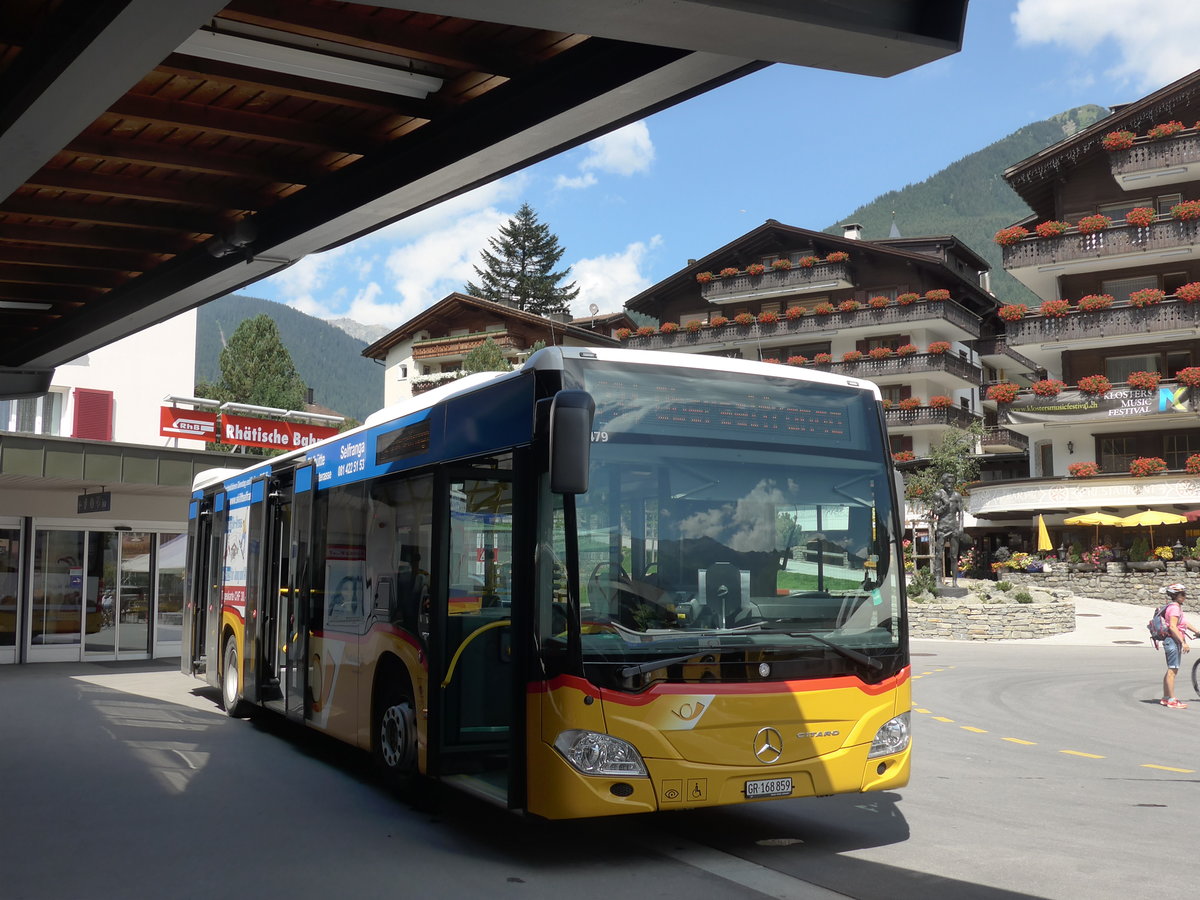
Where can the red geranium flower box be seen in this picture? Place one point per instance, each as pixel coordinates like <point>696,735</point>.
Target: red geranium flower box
<point>1145,466</point>
<point>1004,392</point>
<point>1118,140</point>
<point>906,350</point>
<point>1189,293</point>
<point>1051,229</point>
<point>1055,309</point>
<point>1083,469</point>
<point>939,347</point>
<point>907,299</point>
<point>1094,384</point>
<point>1013,312</point>
<point>941,401</point>
<point>1093,224</point>
<point>878,302</point>
<point>1047,387</point>
<point>1143,381</point>
<point>1006,237</point>
<point>909,403</point>
<point>1146,297</point>
<point>1095,302</point>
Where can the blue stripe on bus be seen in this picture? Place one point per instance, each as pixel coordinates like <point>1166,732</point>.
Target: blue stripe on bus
<point>304,480</point>
<point>193,510</point>
<point>220,503</point>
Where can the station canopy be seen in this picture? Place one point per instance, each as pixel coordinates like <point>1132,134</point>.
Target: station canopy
<point>157,154</point>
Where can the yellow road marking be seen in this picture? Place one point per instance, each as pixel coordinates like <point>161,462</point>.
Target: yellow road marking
<point>1019,741</point>
<point>942,719</point>
<point>920,710</point>
<point>969,728</point>
<point>1167,768</point>
<point>1077,753</point>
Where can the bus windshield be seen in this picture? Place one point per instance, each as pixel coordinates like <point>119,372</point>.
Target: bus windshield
<point>736,528</point>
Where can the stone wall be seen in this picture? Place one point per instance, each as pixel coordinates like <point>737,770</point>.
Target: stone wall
<point>975,621</point>
<point>1129,587</point>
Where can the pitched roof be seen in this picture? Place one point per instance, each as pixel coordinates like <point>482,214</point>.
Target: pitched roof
<point>455,304</point>
<point>1033,177</point>
<point>774,236</point>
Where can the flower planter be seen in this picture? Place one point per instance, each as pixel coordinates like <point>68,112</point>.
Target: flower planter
<point>1084,567</point>
<point>1114,568</point>
<point>1192,565</point>
<point>1149,566</point>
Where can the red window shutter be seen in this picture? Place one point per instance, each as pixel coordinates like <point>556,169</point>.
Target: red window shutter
<point>93,414</point>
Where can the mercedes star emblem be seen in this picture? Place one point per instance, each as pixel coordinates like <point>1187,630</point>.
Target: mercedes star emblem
<point>768,745</point>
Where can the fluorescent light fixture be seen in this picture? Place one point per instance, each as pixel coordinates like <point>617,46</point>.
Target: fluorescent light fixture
<point>242,51</point>
<point>22,304</point>
<point>315,417</point>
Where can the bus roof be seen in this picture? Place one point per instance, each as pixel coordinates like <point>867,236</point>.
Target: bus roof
<point>550,359</point>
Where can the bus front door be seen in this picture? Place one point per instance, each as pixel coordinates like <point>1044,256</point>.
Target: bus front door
<point>476,691</point>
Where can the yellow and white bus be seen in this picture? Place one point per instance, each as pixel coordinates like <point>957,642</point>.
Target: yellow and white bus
<point>607,582</point>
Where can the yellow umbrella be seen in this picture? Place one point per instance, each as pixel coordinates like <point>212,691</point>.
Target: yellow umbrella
<point>1043,535</point>
<point>1150,518</point>
<point>1094,518</point>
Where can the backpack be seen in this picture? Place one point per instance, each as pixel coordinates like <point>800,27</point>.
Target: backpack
<point>1158,626</point>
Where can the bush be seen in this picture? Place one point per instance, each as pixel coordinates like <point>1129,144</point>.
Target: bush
<point>1023,597</point>
<point>923,581</point>
<point>1005,586</point>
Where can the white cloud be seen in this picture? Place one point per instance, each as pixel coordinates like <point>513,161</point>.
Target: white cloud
<point>608,281</point>
<point>565,182</point>
<point>625,151</point>
<point>1150,43</point>
<point>424,257</point>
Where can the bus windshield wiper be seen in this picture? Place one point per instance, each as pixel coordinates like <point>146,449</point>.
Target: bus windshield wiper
<point>868,661</point>
<point>643,668</point>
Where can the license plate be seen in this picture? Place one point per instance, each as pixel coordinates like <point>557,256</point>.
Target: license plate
<point>769,787</point>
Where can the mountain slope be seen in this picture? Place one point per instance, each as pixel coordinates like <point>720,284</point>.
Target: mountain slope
<point>328,359</point>
<point>970,199</point>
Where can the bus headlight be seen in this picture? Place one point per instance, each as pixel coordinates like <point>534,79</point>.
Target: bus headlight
<point>593,753</point>
<point>892,737</point>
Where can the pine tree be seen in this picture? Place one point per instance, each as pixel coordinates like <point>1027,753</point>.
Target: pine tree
<point>257,368</point>
<point>519,267</point>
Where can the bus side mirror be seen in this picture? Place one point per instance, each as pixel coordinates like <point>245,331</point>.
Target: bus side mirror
<point>571,414</point>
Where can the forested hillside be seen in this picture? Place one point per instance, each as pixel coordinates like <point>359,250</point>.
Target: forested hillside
<point>970,199</point>
<point>329,360</point>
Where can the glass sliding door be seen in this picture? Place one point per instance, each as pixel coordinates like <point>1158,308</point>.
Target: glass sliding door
<point>10,591</point>
<point>120,568</point>
<point>56,612</point>
<point>100,593</point>
<point>170,563</point>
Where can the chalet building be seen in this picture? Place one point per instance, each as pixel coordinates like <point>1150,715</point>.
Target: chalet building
<point>914,315</point>
<point>428,350</point>
<point>1112,250</point>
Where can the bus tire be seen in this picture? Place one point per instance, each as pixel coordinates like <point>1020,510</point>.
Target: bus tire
<point>394,738</point>
<point>231,686</point>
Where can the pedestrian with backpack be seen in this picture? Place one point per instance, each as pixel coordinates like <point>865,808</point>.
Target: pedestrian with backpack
<point>1174,641</point>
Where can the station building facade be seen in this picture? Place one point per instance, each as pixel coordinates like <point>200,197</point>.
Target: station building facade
<point>93,504</point>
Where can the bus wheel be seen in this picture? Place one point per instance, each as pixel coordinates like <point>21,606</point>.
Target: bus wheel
<point>231,689</point>
<point>395,740</point>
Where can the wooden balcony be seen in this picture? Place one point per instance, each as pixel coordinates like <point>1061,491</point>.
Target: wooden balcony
<point>954,416</point>
<point>1117,321</point>
<point>882,369</point>
<point>999,349</point>
<point>1148,165</point>
<point>823,277</point>
<point>1039,262</point>
<point>954,320</point>
<point>460,345</point>
<point>1003,440</point>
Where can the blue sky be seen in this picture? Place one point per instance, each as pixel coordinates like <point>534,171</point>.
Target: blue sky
<point>803,146</point>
